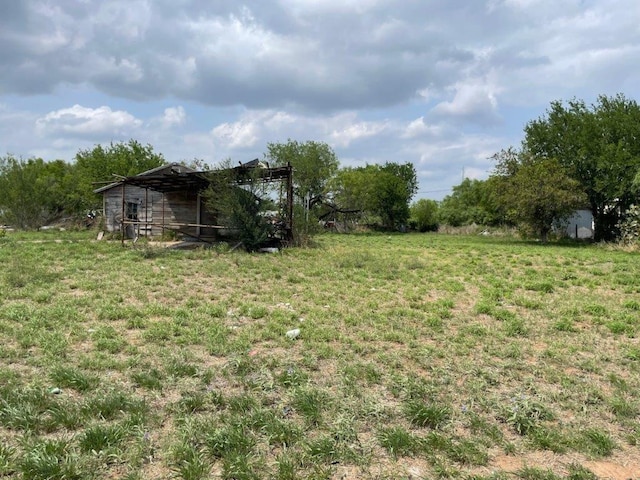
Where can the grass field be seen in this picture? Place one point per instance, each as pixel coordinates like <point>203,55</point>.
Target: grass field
<point>418,356</point>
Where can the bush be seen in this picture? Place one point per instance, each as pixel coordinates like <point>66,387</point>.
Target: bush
<point>630,226</point>
<point>238,208</point>
<point>424,215</point>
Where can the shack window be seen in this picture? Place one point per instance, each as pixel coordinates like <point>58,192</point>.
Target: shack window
<point>132,211</point>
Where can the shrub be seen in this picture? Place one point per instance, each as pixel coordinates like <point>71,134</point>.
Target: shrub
<point>630,226</point>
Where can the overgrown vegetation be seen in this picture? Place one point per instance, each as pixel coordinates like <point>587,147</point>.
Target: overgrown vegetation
<point>535,193</point>
<point>598,146</point>
<point>576,155</point>
<point>381,193</point>
<point>240,206</point>
<point>630,226</point>
<point>34,192</point>
<point>429,356</point>
<point>471,202</point>
<point>424,215</point>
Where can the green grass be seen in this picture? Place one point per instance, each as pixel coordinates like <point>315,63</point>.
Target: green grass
<point>428,415</point>
<point>435,353</point>
<point>399,442</point>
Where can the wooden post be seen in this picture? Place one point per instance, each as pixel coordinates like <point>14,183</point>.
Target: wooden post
<point>163,200</point>
<point>146,211</point>
<point>198,214</point>
<point>290,201</point>
<point>122,217</point>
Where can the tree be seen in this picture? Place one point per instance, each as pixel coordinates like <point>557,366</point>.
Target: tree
<point>383,191</point>
<point>101,163</point>
<point>391,199</point>
<point>598,146</point>
<point>536,193</point>
<point>424,215</point>
<point>350,189</point>
<point>314,163</point>
<point>470,202</point>
<point>407,173</point>
<point>32,192</point>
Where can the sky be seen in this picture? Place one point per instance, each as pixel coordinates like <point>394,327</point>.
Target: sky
<point>443,84</point>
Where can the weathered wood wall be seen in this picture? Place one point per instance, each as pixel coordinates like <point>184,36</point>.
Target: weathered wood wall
<point>188,208</point>
<point>173,209</point>
<point>146,201</point>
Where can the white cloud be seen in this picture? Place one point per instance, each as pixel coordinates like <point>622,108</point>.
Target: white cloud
<point>419,128</point>
<point>280,121</point>
<point>83,121</point>
<point>329,55</point>
<point>356,131</point>
<point>239,134</point>
<point>261,126</point>
<point>475,101</point>
<point>475,173</point>
<point>173,116</point>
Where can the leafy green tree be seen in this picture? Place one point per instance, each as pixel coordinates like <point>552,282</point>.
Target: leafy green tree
<point>598,146</point>
<point>407,173</point>
<point>56,178</point>
<point>32,192</point>
<point>391,199</point>
<point>470,202</point>
<point>350,189</point>
<point>314,163</point>
<point>424,215</point>
<point>101,163</point>
<point>536,193</point>
<point>383,192</point>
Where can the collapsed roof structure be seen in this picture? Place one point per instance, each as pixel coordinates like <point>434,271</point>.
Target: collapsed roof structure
<point>171,197</point>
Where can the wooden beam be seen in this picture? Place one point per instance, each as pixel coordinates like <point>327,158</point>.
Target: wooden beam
<point>122,218</point>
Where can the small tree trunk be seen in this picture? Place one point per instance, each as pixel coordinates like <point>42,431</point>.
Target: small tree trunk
<point>544,235</point>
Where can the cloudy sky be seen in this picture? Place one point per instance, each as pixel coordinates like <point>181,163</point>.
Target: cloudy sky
<point>440,83</point>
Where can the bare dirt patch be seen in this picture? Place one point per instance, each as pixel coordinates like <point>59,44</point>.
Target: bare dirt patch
<point>614,471</point>
<point>617,468</point>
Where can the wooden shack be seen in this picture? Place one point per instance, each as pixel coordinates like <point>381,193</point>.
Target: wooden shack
<point>169,198</point>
